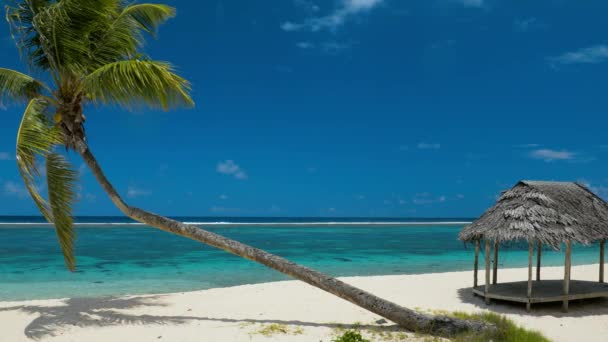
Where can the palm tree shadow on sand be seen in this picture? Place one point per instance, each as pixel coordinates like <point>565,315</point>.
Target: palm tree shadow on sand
<point>577,308</point>
<point>102,312</point>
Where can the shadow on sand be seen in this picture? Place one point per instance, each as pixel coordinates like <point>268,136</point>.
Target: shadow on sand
<point>577,308</point>
<point>103,312</point>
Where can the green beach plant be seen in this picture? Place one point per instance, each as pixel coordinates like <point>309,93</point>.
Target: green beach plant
<point>90,52</point>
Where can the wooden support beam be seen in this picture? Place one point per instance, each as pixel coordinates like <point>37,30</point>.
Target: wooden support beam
<point>530,254</point>
<point>538,256</point>
<point>495,270</point>
<point>476,267</point>
<point>567,268</point>
<point>487,287</point>
<point>602,248</point>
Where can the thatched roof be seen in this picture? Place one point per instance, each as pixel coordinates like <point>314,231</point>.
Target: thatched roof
<point>549,212</point>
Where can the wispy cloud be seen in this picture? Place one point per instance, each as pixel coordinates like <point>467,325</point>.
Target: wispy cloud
<point>590,55</point>
<point>334,20</point>
<point>5,156</point>
<point>527,145</point>
<point>229,167</point>
<point>330,47</point>
<point>549,155</point>
<point>424,198</point>
<point>428,146</point>
<point>307,5</point>
<point>305,45</point>
<point>133,192</point>
<point>14,189</point>
<point>528,24</point>
<point>223,197</point>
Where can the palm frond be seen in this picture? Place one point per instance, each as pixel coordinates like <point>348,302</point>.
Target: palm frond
<point>132,82</point>
<point>59,32</point>
<point>122,37</point>
<point>17,86</point>
<point>20,17</point>
<point>35,139</point>
<point>149,16</point>
<point>61,180</point>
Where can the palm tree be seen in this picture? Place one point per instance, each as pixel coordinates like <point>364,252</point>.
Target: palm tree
<point>89,52</point>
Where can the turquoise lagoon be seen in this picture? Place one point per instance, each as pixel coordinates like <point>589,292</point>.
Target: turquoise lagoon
<point>116,257</point>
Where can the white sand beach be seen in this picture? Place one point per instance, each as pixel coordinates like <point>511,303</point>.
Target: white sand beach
<point>249,312</point>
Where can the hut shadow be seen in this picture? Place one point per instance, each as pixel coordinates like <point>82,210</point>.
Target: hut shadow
<point>102,312</point>
<point>577,308</point>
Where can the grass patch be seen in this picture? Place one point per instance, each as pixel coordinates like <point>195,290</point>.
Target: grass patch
<point>507,330</point>
<point>277,329</point>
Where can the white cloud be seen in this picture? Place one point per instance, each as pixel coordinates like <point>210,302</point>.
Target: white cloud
<point>428,146</point>
<point>307,5</point>
<point>90,197</point>
<point>223,197</point>
<point>333,21</point>
<point>360,197</point>
<point>549,155</point>
<point>590,55</point>
<point>527,145</point>
<point>425,198</point>
<point>305,45</point>
<point>329,47</point>
<point>527,24</point>
<point>133,192</point>
<point>14,189</point>
<point>229,167</point>
<point>5,156</point>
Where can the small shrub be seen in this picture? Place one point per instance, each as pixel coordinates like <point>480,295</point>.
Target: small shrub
<point>350,336</point>
<point>506,330</point>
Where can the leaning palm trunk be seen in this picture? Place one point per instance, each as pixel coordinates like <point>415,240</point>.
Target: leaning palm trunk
<point>409,319</point>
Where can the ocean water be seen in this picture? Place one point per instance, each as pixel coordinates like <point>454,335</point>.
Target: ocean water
<point>115,257</point>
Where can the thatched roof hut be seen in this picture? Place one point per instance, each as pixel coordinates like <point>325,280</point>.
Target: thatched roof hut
<point>541,213</point>
<point>547,212</point>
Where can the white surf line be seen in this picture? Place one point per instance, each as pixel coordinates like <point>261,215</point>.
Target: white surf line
<point>256,224</point>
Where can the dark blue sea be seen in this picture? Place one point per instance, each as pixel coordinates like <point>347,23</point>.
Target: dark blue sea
<point>116,256</point>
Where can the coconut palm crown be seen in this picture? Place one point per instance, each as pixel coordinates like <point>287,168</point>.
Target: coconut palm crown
<point>83,52</point>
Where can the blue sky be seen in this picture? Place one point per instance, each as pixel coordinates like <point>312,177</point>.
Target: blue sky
<point>353,108</point>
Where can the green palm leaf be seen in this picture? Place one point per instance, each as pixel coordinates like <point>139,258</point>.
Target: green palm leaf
<point>35,138</point>
<point>61,180</point>
<point>149,16</point>
<point>123,36</point>
<point>17,86</point>
<point>132,82</point>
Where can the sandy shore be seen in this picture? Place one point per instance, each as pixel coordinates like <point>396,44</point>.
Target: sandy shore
<point>250,312</point>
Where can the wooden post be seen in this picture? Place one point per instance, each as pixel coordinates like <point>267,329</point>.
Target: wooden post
<point>476,267</point>
<point>495,271</point>
<point>602,247</point>
<point>487,288</point>
<point>538,255</point>
<point>530,254</point>
<point>567,275</point>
